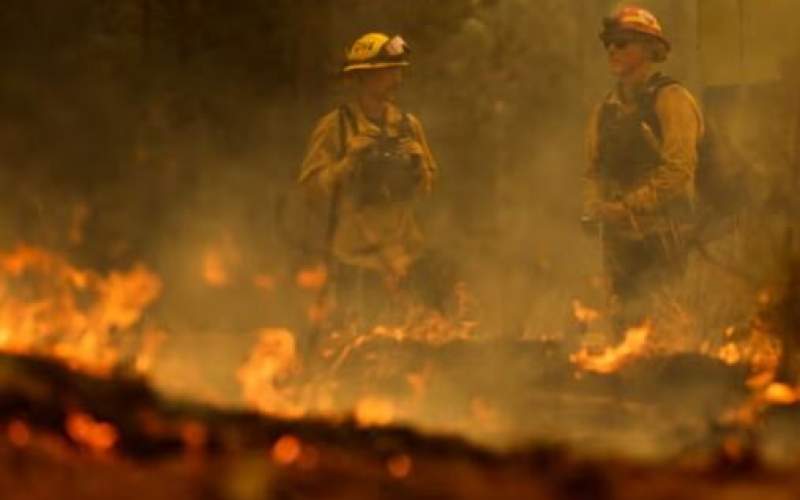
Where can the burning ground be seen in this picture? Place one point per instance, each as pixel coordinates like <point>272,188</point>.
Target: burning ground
<point>359,415</point>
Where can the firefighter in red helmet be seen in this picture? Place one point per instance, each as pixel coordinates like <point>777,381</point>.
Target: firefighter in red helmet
<point>642,147</point>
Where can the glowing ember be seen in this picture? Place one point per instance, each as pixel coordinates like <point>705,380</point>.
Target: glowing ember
<point>312,278</point>
<point>18,433</point>
<point>399,466</point>
<point>97,436</point>
<point>194,436</point>
<point>287,450</point>
<point>613,358</point>
<point>374,411</point>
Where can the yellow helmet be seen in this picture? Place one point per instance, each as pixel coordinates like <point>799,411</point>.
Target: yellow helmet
<point>376,50</point>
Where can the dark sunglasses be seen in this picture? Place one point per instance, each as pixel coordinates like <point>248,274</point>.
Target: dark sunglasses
<point>619,43</point>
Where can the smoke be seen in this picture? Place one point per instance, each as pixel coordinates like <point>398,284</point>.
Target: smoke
<point>180,128</point>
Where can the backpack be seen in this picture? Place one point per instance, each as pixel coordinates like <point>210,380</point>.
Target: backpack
<point>723,177</point>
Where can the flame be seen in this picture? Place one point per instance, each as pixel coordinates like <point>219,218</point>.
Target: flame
<point>761,351</point>
<point>584,314</point>
<point>373,411</point>
<point>219,260</point>
<point>781,394</point>
<point>272,360</point>
<point>51,308</point>
<point>730,354</point>
<point>613,358</point>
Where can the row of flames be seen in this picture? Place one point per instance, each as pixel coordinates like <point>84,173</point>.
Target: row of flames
<point>50,308</point>
<point>759,350</point>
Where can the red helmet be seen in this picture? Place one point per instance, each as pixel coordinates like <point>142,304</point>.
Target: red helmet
<point>632,19</point>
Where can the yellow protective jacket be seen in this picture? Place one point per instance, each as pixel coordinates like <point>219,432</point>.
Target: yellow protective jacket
<point>386,236</point>
<point>670,179</point>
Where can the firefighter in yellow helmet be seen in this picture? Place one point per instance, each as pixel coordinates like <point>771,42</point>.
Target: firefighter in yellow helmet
<point>370,161</point>
<point>642,145</point>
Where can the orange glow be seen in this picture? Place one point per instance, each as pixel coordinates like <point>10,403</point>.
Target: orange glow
<point>730,354</point>
<point>214,272</point>
<point>760,380</point>
<point>272,360</point>
<point>48,307</point>
<point>194,436</point>
<point>286,450</point>
<point>613,358</point>
<point>97,436</point>
<point>483,412</point>
<point>18,433</point>
<point>781,394</point>
<point>152,340</point>
<point>733,448</point>
<point>312,278</point>
<point>399,466</point>
<point>418,382</point>
<point>374,411</point>
<point>584,314</point>
<point>317,313</point>
<point>264,282</point>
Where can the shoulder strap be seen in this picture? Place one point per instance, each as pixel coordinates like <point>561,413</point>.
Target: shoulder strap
<point>345,117</point>
<point>647,101</point>
<point>604,112</point>
<point>405,126</point>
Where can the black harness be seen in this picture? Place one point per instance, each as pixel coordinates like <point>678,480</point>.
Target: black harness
<point>626,154</point>
<point>385,174</point>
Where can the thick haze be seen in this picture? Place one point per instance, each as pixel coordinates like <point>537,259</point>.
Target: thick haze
<point>180,126</point>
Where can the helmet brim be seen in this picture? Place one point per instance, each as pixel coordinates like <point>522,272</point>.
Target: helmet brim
<point>374,65</point>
